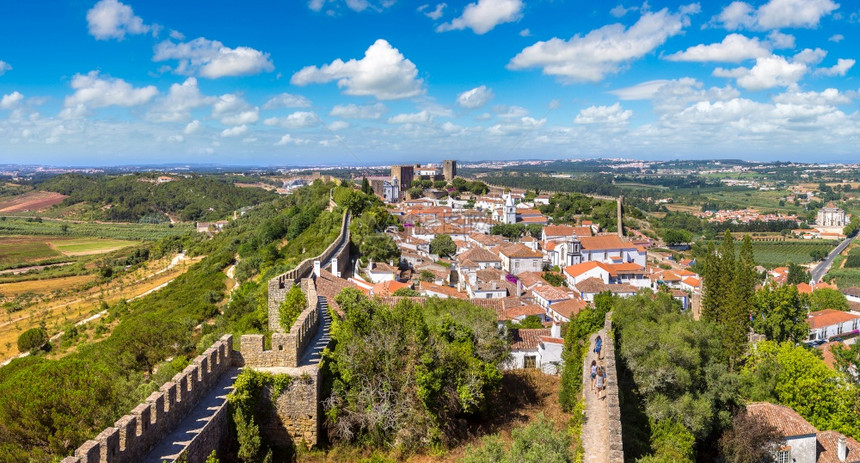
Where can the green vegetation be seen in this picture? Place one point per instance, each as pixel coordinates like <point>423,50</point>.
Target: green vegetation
<point>34,338</point>
<point>443,246</point>
<point>137,198</point>
<point>780,314</point>
<point>120,231</point>
<point>576,345</point>
<point>554,278</point>
<point>16,251</point>
<point>537,442</point>
<point>515,231</point>
<point>294,304</point>
<point>245,407</point>
<point>84,245</point>
<point>826,298</point>
<point>409,376</point>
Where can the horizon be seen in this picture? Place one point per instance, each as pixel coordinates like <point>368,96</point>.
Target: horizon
<point>370,82</point>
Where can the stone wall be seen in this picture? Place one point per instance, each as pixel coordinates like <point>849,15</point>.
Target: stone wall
<point>616,448</point>
<point>279,285</point>
<point>294,416</point>
<point>213,436</point>
<point>287,348</point>
<point>134,435</point>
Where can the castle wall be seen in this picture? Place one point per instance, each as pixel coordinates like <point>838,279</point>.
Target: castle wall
<point>134,435</point>
<point>616,447</point>
<point>294,416</point>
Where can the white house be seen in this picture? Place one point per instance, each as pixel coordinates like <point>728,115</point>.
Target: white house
<point>604,248</point>
<point>546,295</point>
<point>579,272</point>
<point>852,294</point>
<point>517,258</point>
<point>536,348</point>
<point>828,323</point>
<point>378,272</point>
<point>564,311</point>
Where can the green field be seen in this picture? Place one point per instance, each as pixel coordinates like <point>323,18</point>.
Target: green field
<point>90,245</point>
<point>120,231</point>
<point>779,253</point>
<point>15,250</point>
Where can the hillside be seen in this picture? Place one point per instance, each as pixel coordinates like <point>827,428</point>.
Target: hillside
<point>139,198</point>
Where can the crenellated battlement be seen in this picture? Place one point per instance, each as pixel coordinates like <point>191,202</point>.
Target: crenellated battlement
<point>135,434</point>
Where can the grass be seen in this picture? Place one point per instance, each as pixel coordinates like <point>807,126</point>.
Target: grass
<point>16,250</point>
<point>82,246</point>
<point>120,231</point>
<point>784,252</point>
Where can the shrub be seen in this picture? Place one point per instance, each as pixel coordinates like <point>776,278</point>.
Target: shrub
<point>31,339</point>
<point>293,305</point>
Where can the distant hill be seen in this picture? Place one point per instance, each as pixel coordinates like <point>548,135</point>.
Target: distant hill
<point>142,198</point>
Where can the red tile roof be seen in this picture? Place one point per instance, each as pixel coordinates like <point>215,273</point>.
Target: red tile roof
<point>578,269</point>
<point>829,442</point>
<point>518,251</point>
<point>569,308</point>
<point>604,242</point>
<point>527,339</point>
<point>828,317</point>
<point>387,288</point>
<point>558,230</point>
<point>446,290</point>
<point>787,421</point>
<point>478,255</point>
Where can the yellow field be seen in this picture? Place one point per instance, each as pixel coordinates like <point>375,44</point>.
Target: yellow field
<point>55,312</point>
<point>44,286</point>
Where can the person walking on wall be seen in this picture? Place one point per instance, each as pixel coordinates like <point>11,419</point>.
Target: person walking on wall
<point>601,380</point>
<point>598,344</point>
<point>593,373</point>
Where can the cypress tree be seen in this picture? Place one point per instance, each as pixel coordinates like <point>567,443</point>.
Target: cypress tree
<point>711,285</point>
<point>736,321</point>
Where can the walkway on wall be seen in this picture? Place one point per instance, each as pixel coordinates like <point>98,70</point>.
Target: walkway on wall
<point>313,351</point>
<point>595,431</point>
<point>174,443</point>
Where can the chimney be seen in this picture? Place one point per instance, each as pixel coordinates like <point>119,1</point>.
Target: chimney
<point>317,267</point>
<point>842,448</point>
<point>555,331</point>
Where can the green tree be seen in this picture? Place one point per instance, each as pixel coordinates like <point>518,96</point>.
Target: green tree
<point>365,186</point>
<point>797,274</point>
<point>294,304</point>
<point>780,314</point>
<point>380,247</point>
<point>553,278</point>
<point>847,360</point>
<point>675,236</point>
<point>406,292</point>
<point>818,254</point>
<point>427,275</point>
<point>827,298</point>
<point>443,246</point>
<point>32,339</point>
<point>670,442</point>
<point>537,442</point>
<point>248,435</point>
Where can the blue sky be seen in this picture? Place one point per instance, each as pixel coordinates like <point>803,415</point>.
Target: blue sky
<point>316,82</point>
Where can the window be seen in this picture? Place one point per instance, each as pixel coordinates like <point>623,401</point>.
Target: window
<point>530,361</point>
<point>783,456</point>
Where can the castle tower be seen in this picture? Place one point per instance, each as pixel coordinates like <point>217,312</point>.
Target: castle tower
<point>449,170</point>
<point>574,251</point>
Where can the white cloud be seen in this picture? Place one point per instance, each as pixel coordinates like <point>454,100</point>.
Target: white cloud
<point>180,100</point>
<point>839,69</point>
<point>338,125</point>
<point>422,117</point>
<point>641,91</point>
<point>287,100</point>
<point>231,109</point>
<point>475,98</point>
<point>525,33</point>
<point>669,96</point>
<point>289,140</point>
<point>110,19</point>
<point>614,114</point>
<point>192,127</point>
<point>734,48</point>
<point>235,131</point>
<point>836,38</point>
<point>780,40</point>
<point>11,100</point>
<point>809,56</point>
<point>517,127</point>
<point>768,72</point>
<point>355,5</point>
<point>383,72</point>
<point>775,14</point>
<point>484,15</point>
<point>174,34</point>
<point>602,51</point>
<point>93,91</point>
<point>211,59</point>
<point>4,66</point>
<point>830,96</point>
<point>296,120</point>
<point>352,111</point>
<point>620,10</point>
<point>434,14</point>
<point>510,112</point>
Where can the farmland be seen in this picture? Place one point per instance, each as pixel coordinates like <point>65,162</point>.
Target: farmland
<point>121,231</point>
<point>32,201</point>
<point>778,253</point>
<point>89,246</point>
<point>22,251</point>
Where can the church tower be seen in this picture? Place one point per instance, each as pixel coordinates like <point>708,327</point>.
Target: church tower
<point>510,210</point>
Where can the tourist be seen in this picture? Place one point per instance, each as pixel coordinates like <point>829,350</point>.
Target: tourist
<point>601,380</point>
<point>593,373</point>
<point>597,345</point>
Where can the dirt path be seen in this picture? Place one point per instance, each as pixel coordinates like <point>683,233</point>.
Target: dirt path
<point>595,431</point>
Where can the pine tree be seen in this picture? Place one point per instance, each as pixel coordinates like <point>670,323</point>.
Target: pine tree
<point>736,321</point>
<point>365,186</point>
<point>711,284</point>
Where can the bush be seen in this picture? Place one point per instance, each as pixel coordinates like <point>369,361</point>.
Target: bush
<point>31,339</point>
<point>538,442</point>
<point>294,304</point>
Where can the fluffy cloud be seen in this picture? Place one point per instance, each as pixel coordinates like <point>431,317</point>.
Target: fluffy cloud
<point>4,66</point>
<point>641,91</point>
<point>839,69</point>
<point>383,72</point>
<point>780,40</point>
<point>484,15</point>
<point>775,14</point>
<point>192,127</point>
<point>475,98</point>
<point>620,10</point>
<point>11,100</point>
<point>809,57</point>
<point>734,48</point>
<point>422,117</point>
<point>231,109</point>
<point>296,120</point>
<point>614,114</point>
<point>517,127</point>
<point>830,96</point>
<point>180,100</point>
<point>110,19</point>
<point>338,125</point>
<point>211,59</point>
<point>289,140</point>
<point>352,111</point>
<point>93,91</point>
<point>836,38</point>
<point>435,13</point>
<point>235,131</point>
<point>287,100</point>
<point>768,72</point>
<point>355,5</point>
<point>602,51</point>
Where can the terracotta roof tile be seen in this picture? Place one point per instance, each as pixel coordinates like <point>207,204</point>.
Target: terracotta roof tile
<point>569,308</point>
<point>828,317</point>
<point>558,230</point>
<point>478,255</point>
<point>527,339</point>
<point>787,421</point>
<point>518,251</point>
<point>829,442</point>
<point>603,242</point>
<point>446,290</point>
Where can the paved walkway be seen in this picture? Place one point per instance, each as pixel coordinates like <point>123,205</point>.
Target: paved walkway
<point>313,351</point>
<point>174,443</point>
<point>595,431</point>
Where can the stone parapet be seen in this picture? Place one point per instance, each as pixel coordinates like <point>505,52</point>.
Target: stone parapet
<point>134,435</point>
<point>616,448</point>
